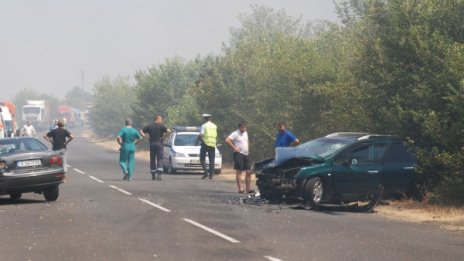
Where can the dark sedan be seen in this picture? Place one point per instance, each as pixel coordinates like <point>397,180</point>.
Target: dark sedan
<point>27,165</point>
<point>339,168</point>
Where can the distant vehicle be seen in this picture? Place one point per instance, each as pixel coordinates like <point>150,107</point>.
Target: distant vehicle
<point>339,168</point>
<point>181,154</point>
<point>9,118</point>
<point>37,112</point>
<point>70,115</point>
<point>27,165</point>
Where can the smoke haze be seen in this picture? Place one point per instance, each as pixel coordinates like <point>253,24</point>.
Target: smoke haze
<point>52,45</point>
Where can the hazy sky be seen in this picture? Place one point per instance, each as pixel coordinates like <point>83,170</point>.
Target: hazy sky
<point>45,44</point>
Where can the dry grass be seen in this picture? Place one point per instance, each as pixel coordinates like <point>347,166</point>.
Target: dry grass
<point>446,217</point>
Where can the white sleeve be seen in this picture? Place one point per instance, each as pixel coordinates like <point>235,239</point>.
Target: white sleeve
<point>233,136</point>
<point>202,130</point>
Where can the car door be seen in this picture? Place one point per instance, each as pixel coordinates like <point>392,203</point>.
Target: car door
<point>167,145</point>
<point>356,171</point>
<point>399,169</point>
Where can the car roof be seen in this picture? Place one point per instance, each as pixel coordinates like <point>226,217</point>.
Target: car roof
<point>187,129</point>
<point>187,133</point>
<point>18,138</point>
<point>359,136</point>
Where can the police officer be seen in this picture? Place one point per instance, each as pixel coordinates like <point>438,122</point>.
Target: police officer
<point>208,137</point>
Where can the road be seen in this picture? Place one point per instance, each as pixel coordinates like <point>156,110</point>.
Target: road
<point>98,216</point>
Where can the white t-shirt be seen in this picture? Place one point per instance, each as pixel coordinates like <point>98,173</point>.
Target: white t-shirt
<point>240,140</point>
<point>28,130</point>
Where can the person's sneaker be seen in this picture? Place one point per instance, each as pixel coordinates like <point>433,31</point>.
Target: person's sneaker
<point>126,176</point>
<point>129,179</point>
<point>204,176</point>
<point>158,177</point>
<point>153,176</point>
<point>210,176</point>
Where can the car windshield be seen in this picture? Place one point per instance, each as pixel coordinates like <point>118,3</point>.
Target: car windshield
<point>185,139</point>
<point>323,147</point>
<point>20,145</point>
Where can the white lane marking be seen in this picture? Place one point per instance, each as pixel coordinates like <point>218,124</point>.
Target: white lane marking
<point>69,166</point>
<point>219,234</point>
<point>122,190</point>
<point>94,178</point>
<point>79,171</point>
<point>155,205</point>
<point>272,258</point>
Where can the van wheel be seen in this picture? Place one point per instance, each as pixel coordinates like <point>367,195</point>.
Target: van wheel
<point>314,192</point>
<point>51,194</point>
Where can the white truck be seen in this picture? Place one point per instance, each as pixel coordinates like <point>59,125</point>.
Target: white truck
<point>37,112</point>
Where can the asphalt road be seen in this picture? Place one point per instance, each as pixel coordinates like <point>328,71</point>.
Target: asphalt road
<point>100,217</point>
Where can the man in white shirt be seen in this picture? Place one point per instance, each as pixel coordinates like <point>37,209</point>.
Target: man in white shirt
<point>28,130</point>
<point>238,141</point>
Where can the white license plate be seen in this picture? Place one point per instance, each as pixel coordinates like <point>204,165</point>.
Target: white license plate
<point>28,163</point>
<point>194,161</point>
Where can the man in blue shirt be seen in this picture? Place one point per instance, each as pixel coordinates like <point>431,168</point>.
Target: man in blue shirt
<point>284,137</point>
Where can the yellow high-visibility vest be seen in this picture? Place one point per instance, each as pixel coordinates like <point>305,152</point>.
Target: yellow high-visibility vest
<point>210,135</point>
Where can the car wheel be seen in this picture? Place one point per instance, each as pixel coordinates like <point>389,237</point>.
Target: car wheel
<point>314,192</point>
<point>15,195</point>
<point>170,168</point>
<point>51,194</point>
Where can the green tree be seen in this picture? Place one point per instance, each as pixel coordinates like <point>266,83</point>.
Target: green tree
<point>408,65</point>
<point>113,104</point>
<point>162,88</point>
<point>275,69</point>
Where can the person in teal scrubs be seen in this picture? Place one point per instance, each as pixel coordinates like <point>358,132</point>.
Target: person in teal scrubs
<point>128,137</point>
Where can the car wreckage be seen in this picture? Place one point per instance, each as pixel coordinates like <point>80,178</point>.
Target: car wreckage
<point>343,170</point>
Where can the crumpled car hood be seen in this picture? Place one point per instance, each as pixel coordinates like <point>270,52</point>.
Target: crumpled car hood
<point>284,155</point>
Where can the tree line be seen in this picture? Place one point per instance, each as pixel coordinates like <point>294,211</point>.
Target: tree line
<point>390,67</point>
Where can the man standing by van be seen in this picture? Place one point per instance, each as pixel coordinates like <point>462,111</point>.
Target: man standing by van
<point>208,138</point>
<point>157,131</point>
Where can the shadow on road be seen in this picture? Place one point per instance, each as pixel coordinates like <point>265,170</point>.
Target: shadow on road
<point>9,201</point>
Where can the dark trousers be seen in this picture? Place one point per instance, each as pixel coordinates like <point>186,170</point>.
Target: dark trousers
<point>211,155</point>
<point>156,156</point>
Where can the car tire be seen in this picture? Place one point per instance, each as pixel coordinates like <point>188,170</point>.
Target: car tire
<point>51,193</point>
<point>171,170</point>
<point>314,192</point>
<point>15,195</point>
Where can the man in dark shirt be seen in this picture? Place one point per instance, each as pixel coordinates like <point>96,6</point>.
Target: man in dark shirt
<point>157,131</point>
<point>60,137</point>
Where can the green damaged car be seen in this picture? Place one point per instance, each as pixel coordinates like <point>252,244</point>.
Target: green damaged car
<point>341,169</point>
